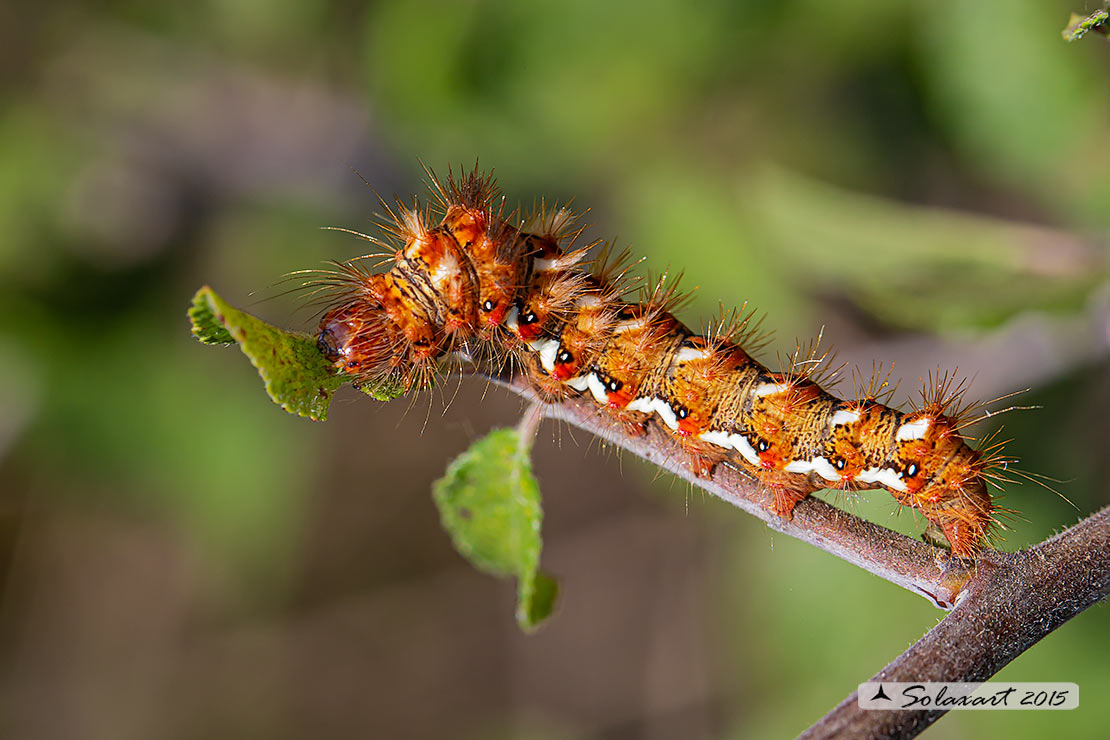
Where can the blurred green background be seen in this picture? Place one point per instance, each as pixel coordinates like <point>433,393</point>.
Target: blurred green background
<point>929,182</point>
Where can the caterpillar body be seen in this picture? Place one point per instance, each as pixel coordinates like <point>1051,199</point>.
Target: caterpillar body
<point>467,277</point>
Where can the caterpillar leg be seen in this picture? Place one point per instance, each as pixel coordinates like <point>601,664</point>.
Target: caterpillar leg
<point>784,498</point>
<point>701,465</point>
<point>701,458</point>
<point>634,423</point>
<point>965,519</point>
<point>634,429</point>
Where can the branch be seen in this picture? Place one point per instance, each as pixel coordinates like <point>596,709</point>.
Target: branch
<point>1012,601</point>
<point>924,569</point>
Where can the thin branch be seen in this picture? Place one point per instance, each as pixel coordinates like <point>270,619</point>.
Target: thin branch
<point>1012,601</point>
<point>926,570</point>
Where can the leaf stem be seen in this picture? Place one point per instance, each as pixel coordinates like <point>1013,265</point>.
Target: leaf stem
<point>530,424</point>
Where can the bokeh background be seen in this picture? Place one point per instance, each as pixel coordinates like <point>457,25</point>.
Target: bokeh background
<point>929,182</point>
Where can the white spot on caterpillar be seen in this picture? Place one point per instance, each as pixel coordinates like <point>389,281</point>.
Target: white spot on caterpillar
<point>736,442</point>
<point>589,301</point>
<point>548,349</point>
<point>666,413</point>
<point>631,325</point>
<point>842,417</point>
<point>597,388</point>
<point>826,469</point>
<point>687,354</point>
<point>771,389</point>
<point>580,383</point>
<point>883,476</point>
<point>562,262</point>
<point>913,429</point>
<point>819,465</point>
<point>716,438</point>
<point>445,271</point>
<point>659,406</point>
<point>741,444</point>
<point>511,318</point>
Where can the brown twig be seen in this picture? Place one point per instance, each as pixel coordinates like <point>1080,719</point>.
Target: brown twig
<point>1012,601</point>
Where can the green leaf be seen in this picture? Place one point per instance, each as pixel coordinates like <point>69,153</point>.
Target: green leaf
<point>489,502</point>
<point>297,375</point>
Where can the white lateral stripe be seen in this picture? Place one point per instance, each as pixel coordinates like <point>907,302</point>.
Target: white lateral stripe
<point>666,413</point>
<point>914,429</point>
<point>510,318</point>
<point>543,265</point>
<point>687,354</point>
<point>825,469</point>
<point>659,406</point>
<point>818,465</point>
<point>771,389</point>
<point>547,348</point>
<point>716,438</point>
<point>843,417</point>
<point>741,444</point>
<point>580,383</point>
<point>598,389</point>
<point>737,442</point>
<point>883,476</point>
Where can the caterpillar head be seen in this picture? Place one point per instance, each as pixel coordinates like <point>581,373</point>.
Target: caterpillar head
<point>359,339</point>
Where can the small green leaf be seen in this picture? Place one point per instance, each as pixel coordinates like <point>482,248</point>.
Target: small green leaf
<point>297,375</point>
<point>489,502</point>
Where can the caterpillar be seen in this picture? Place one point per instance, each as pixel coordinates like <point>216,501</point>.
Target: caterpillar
<point>469,279</point>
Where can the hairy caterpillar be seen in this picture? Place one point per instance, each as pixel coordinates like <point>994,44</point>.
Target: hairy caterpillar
<point>495,286</point>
